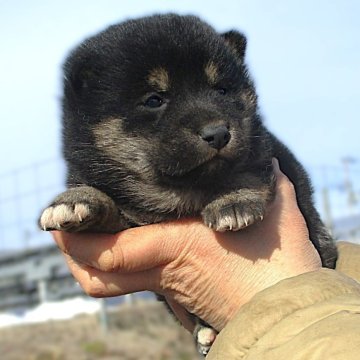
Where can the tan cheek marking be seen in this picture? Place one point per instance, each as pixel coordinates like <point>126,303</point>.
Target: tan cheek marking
<point>249,98</point>
<point>105,131</point>
<point>159,78</point>
<point>211,72</point>
<point>112,140</point>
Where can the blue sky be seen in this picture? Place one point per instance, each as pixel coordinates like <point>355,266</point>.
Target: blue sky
<point>304,56</point>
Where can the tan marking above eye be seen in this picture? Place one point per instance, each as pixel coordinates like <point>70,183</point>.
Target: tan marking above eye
<point>159,78</point>
<point>211,72</point>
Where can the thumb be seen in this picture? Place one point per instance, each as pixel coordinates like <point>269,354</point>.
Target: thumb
<point>132,250</point>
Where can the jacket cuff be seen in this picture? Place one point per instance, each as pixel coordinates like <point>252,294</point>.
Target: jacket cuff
<point>276,305</point>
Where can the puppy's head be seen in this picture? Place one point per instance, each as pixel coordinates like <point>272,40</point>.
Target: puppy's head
<point>162,97</point>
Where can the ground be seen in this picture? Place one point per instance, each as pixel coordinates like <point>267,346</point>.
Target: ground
<point>139,331</point>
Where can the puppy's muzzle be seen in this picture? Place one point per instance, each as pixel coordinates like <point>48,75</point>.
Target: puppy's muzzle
<point>216,136</point>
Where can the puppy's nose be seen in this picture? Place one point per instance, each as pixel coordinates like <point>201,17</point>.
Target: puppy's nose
<point>216,136</point>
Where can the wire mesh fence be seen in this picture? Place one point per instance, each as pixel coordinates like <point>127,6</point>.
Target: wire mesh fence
<point>25,191</point>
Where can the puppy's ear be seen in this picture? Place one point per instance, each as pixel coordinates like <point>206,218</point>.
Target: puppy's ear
<point>237,42</point>
<point>81,75</point>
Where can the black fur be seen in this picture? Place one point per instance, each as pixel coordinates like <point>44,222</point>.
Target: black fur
<point>145,147</point>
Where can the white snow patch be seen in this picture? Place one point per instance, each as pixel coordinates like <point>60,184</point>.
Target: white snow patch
<point>9,320</point>
<point>59,310</point>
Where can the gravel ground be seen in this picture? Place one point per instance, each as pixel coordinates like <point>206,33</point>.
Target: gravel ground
<point>139,331</point>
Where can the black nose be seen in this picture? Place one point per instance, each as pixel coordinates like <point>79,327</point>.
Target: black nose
<point>216,136</point>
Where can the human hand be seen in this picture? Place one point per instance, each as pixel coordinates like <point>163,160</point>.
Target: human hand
<point>208,273</point>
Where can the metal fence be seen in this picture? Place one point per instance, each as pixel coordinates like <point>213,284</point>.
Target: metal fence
<point>25,191</point>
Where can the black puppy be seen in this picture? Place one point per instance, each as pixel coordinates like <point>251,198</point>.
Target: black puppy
<point>160,121</point>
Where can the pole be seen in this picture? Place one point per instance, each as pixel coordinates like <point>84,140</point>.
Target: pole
<point>42,290</point>
<point>351,197</point>
<point>327,209</point>
<point>103,316</point>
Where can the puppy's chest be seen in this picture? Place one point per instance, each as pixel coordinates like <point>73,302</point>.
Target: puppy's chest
<point>151,205</point>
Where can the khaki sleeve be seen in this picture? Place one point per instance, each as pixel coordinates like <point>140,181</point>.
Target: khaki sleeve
<point>313,316</point>
<point>349,260</point>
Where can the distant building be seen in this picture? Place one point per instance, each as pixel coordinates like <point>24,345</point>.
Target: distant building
<point>32,276</point>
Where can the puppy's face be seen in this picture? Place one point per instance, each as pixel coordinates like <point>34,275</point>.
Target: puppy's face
<point>165,96</point>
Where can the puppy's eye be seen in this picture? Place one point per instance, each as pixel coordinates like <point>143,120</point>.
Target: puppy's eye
<point>154,101</point>
<point>222,91</point>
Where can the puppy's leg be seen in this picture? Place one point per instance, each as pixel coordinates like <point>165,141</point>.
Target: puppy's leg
<point>239,208</point>
<point>82,208</point>
<point>204,337</point>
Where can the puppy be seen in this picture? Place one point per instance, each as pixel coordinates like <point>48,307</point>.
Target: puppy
<point>160,121</point>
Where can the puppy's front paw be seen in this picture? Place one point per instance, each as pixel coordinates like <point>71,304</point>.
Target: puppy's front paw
<point>82,208</point>
<point>67,217</point>
<point>234,216</point>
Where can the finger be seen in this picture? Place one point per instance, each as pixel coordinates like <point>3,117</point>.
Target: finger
<point>286,201</point>
<point>276,167</point>
<point>281,178</point>
<point>97,283</point>
<point>285,188</point>
<point>132,250</point>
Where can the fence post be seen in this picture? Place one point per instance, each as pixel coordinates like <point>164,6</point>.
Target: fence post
<point>103,316</point>
<point>42,290</point>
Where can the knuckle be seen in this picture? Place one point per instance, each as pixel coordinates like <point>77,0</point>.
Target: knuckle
<point>111,260</point>
<point>106,261</point>
<point>93,288</point>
